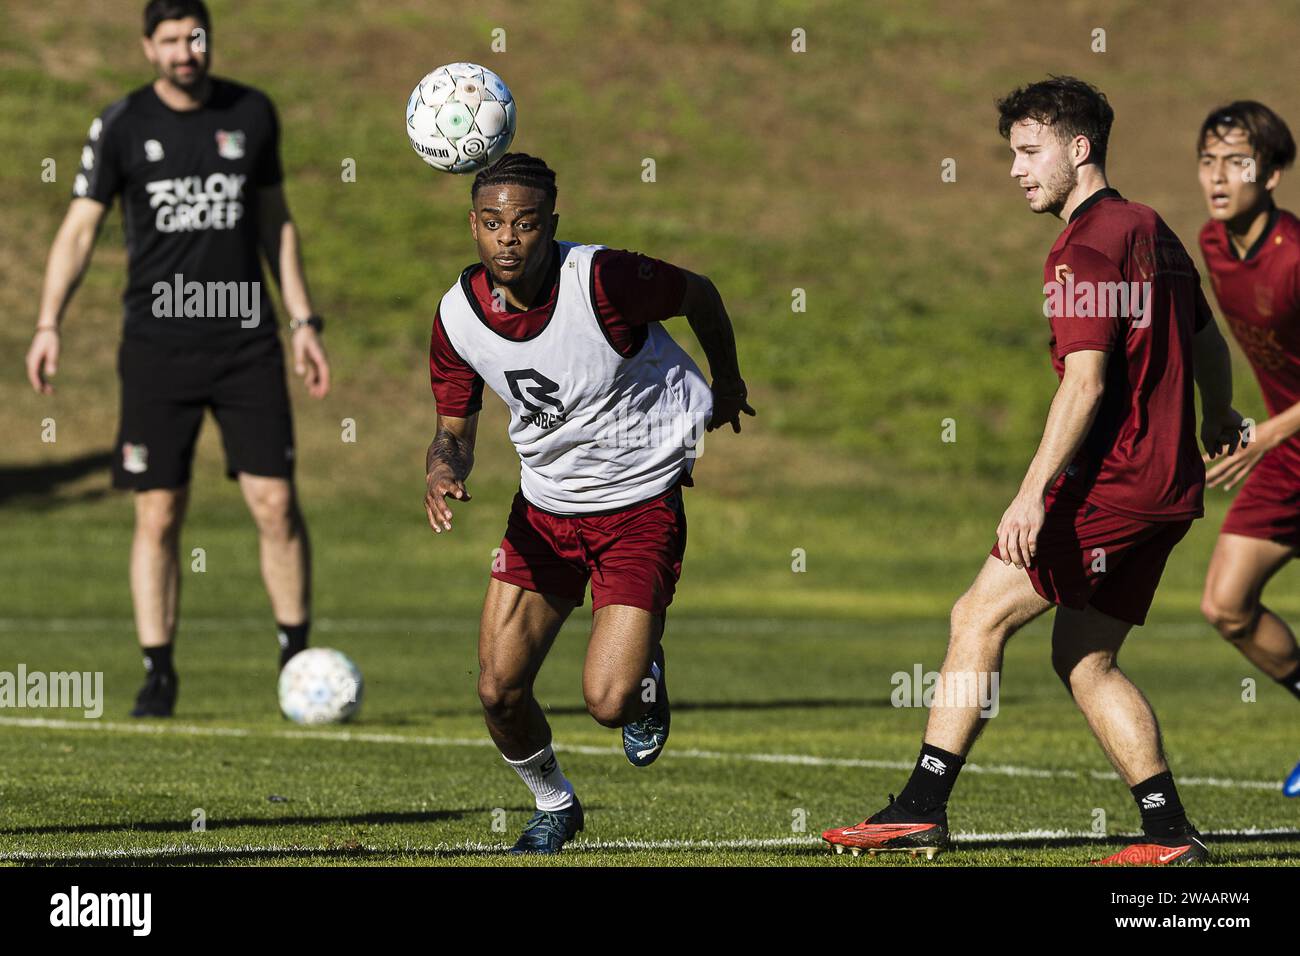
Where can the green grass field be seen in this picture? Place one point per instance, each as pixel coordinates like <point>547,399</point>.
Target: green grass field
<point>777,171</point>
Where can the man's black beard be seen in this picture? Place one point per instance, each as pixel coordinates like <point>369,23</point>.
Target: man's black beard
<point>192,86</point>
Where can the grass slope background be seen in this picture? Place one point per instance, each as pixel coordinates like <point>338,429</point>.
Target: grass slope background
<point>776,171</point>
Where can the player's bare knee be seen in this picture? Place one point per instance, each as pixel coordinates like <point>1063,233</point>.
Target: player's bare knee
<point>501,698</point>
<point>1079,673</point>
<point>275,512</point>
<point>158,516</point>
<point>971,622</point>
<point>1234,620</point>
<point>613,707</point>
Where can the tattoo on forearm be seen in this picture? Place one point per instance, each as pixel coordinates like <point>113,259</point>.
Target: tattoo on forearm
<point>449,449</point>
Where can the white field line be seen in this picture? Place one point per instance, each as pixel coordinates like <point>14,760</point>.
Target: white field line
<point>580,846</point>
<point>805,760</point>
<point>362,625</point>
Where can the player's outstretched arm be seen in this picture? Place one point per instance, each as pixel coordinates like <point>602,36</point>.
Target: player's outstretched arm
<point>1074,408</point>
<point>281,246</point>
<point>1212,368</point>
<point>69,257</point>
<point>446,467</point>
<point>702,305</point>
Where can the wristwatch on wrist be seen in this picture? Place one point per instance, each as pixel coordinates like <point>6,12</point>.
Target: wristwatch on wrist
<point>315,321</point>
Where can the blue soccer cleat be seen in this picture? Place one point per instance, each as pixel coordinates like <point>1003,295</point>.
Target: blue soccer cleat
<point>1292,786</point>
<point>548,830</point>
<point>644,739</point>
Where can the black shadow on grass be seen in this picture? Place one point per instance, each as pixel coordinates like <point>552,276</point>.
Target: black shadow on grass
<point>41,480</point>
<point>216,824</point>
<point>686,706</point>
<point>1119,842</point>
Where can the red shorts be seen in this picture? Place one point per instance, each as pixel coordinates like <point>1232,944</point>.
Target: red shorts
<point>1267,504</point>
<point>632,556</point>
<point>1090,556</point>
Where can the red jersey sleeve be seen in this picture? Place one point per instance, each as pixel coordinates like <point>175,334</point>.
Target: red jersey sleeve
<point>1080,317</point>
<point>629,291</point>
<point>457,388</point>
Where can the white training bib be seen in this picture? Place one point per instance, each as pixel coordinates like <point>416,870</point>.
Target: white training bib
<point>594,431</point>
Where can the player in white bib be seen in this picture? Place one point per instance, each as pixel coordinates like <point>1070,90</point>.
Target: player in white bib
<point>607,413</point>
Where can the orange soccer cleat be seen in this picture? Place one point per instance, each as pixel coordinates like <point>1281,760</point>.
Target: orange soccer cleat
<point>1178,850</point>
<point>893,830</point>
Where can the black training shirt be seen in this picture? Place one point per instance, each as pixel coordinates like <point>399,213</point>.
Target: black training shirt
<point>189,183</point>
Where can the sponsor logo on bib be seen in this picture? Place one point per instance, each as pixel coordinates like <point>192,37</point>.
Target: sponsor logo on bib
<point>541,389</point>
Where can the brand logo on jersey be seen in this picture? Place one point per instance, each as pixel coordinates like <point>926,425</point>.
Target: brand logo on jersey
<point>153,150</point>
<point>933,764</point>
<point>1153,801</point>
<point>230,144</point>
<point>542,390</point>
<point>197,203</point>
<point>135,458</point>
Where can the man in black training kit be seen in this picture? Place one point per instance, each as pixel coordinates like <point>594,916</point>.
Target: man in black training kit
<point>196,162</point>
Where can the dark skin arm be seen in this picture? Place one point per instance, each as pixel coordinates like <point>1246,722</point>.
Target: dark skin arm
<point>704,310</point>
<point>446,467</point>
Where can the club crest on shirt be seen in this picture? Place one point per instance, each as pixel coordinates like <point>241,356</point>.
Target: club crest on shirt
<point>153,150</point>
<point>230,144</point>
<point>135,458</point>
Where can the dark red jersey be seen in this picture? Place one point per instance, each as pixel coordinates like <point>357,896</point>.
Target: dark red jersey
<point>1119,281</point>
<point>629,291</point>
<point>1260,296</point>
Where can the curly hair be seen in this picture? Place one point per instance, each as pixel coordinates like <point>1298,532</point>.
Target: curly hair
<point>1067,104</point>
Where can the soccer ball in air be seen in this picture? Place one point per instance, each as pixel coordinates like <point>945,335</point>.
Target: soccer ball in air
<point>460,118</point>
<point>320,686</point>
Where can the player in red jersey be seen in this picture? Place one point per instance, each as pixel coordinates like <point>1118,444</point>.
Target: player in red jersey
<point>1115,484</point>
<point>572,338</point>
<point>1252,250</point>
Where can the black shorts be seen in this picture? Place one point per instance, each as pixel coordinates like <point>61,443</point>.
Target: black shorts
<point>165,390</point>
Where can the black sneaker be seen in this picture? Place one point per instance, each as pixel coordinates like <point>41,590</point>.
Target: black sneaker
<point>644,739</point>
<point>548,830</point>
<point>157,698</point>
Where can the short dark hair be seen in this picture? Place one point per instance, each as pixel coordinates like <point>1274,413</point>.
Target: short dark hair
<point>1265,131</point>
<point>1067,104</point>
<point>517,169</point>
<point>156,11</point>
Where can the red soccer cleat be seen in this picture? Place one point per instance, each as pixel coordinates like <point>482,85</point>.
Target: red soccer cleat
<point>893,830</point>
<point>1180,850</point>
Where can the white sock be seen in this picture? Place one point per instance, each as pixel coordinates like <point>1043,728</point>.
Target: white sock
<point>542,775</point>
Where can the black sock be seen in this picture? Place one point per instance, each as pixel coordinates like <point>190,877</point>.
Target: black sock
<point>158,660</point>
<point>293,638</point>
<point>1292,682</point>
<point>932,780</point>
<point>1162,811</point>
